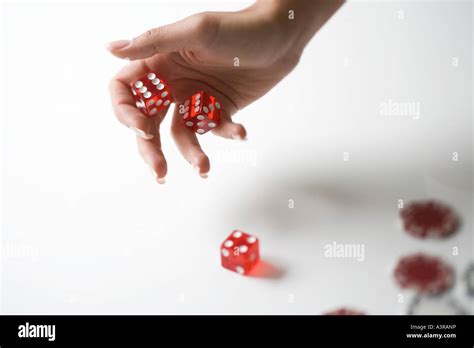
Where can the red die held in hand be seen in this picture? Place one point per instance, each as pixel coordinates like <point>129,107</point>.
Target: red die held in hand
<point>151,94</point>
<point>239,252</point>
<point>201,112</point>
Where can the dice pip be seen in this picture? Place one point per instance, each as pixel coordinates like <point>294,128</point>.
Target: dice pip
<point>151,94</point>
<point>201,112</point>
<point>239,252</point>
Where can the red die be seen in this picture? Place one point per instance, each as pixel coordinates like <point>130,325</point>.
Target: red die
<point>151,94</point>
<point>201,113</point>
<point>239,252</point>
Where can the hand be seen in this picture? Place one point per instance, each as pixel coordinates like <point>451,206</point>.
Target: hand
<point>236,57</point>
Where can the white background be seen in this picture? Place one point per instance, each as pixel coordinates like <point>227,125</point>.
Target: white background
<point>87,230</point>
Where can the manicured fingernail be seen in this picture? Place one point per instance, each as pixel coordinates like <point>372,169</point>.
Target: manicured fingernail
<point>238,137</point>
<point>117,45</point>
<point>141,133</point>
<point>202,175</point>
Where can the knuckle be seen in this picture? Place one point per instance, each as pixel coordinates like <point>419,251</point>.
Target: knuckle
<point>150,37</point>
<point>148,34</point>
<point>206,25</point>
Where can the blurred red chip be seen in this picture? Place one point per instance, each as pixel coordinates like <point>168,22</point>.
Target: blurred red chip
<point>424,273</point>
<point>345,311</point>
<point>429,218</point>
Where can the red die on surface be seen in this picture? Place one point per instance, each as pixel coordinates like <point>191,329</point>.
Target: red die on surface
<point>239,252</point>
<point>201,113</point>
<point>151,94</point>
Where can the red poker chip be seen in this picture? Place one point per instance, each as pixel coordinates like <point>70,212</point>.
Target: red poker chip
<point>429,218</point>
<point>424,273</point>
<point>345,311</point>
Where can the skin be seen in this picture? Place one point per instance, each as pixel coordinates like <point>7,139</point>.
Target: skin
<point>198,53</point>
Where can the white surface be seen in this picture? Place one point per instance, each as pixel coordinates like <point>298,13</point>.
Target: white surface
<point>87,230</point>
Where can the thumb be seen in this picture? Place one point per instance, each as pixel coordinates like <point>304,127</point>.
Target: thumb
<point>191,33</point>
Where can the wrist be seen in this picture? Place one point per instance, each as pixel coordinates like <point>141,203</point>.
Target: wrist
<point>298,20</point>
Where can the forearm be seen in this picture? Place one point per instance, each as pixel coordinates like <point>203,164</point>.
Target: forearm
<point>299,19</point>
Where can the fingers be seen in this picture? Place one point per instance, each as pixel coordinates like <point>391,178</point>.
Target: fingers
<point>188,146</point>
<point>230,130</point>
<point>191,33</point>
<point>134,119</point>
<point>124,107</point>
<point>146,129</point>
<point>151,152</point>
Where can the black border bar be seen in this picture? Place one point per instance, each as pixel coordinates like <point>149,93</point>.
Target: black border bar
<point>222,330</point>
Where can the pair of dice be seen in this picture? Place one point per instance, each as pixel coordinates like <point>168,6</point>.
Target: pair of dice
<point>239,252</point>
<point>201,112</point>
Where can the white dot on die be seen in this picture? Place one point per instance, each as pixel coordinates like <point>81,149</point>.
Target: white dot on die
<point>186,114</point>
<point>138,84</point>
<point>139,104</point>
<point>198,96</point>
<point>200,117</point>
<point>196,109</point>
<point>189,123</point>
<point>150,102</point>
<point>200,124</point>
<point>164,94</point>
<point>186,103</point>
<point>243,248</point>
<point>200,131</point>
<point>147,95</point>
<point>251,240</point>
<point>151,76</point>
<point>228,243</point>
<point>218,105</point>
<point>212,124</point>
<point>166,103</point>
<point>153,111</point>
<point>237,234</point>
<point>197,102</point>
<point>205,109</point>
<point>187,108</point>
<point>211,107</point>
<point>143,89</point>
<point>225,252</point>
<point>239,270</point>
<point>160,86</point>
<point>133,92</point>
<point>156,81</point>
<point>159,102</point>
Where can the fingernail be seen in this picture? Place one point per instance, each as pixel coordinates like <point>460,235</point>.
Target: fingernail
<point>202,175</point>
<point>117,45</point>
<point>155,175</point>
<point>238,137</point>
<point>141,134</point>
